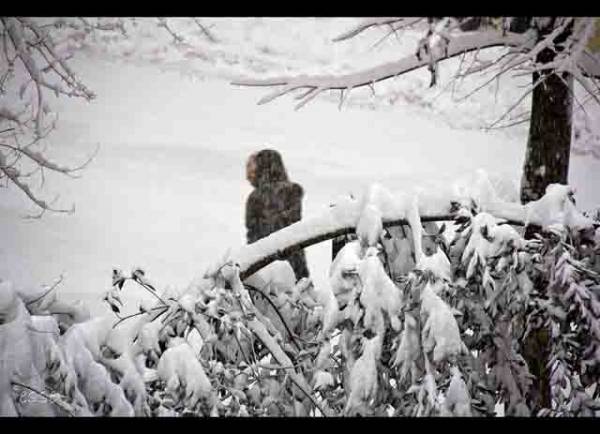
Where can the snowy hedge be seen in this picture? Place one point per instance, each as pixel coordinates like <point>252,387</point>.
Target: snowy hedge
<point>417,320</point>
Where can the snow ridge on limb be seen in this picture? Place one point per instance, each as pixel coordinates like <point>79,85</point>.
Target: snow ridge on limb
<point>345,216</point>
<point>457,45</point>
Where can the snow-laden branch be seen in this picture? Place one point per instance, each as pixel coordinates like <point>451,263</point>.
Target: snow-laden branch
<point>44,162</point>
<point>443,41</point>
<point>34,60</point>
<point>460,43</point>
<point>348,214</point>
<point>54,60</point>
<point>14,175</point>
<point>36,65</point>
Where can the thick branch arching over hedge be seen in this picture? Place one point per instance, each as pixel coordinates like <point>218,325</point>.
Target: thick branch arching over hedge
<point>343,219</point>
<point>554,207</point>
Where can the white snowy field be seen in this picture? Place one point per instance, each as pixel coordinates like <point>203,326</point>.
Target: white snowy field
<point>167,190</point>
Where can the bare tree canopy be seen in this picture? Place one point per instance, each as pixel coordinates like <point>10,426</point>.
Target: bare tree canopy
<point>445,39</point>
<point>34,64</point>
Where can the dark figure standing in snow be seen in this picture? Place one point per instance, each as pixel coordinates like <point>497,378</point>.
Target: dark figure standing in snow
<point>275,202</point>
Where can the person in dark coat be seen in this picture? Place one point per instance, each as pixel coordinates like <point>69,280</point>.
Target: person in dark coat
<point>275,202</point>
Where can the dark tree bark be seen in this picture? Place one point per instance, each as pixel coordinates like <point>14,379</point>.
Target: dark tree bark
<point>546,162</point>
<point>549,141</point>
<point>520,24</point>
<point>471,24</point>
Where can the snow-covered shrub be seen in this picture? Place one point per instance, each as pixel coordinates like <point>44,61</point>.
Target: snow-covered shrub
<point>497,317</point>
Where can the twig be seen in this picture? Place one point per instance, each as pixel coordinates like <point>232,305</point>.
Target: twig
<point>525,94</point>
<point>165,308</point>
<point>279,355</point>
<point>143,285</point>
<point>13,174</point>
<point>394,30</point>
<point>373,22</point>
<point>266,297</point>
<point>511,124</point>
<point>60,279</point>
<point>205,30</point>
<point>176,37</point>
<point>246,359</point>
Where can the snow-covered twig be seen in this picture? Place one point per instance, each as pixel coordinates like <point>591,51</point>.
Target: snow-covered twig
<point>519,100</point>
<point>45,293</point>
<point>14,175</point>
<point>133,315</point>
<point>36,62</point>
<point>376,22</point>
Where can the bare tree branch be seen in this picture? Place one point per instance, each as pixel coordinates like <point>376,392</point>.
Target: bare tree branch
<point>34,61</point>
<point>162,22</point>
<point>45,293</point>
<point>376,22</point>
<point>441,42</point>
<point>42,161</point>
<point>14,175</point>
<point>206,32</point>
<point>519,100</point>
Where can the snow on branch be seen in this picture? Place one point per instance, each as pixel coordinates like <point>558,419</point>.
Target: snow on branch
<point>34,60</point>
<point>37,65</point>
<point>347,215</point>
<point>14,175</point>
<point>445,38</point>
<point>42,161</point>
<point>316,84</point>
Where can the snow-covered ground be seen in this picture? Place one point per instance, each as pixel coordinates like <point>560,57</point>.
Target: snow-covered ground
<point>167,190</point>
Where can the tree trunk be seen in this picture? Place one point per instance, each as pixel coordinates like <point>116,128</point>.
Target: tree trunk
<point>546,162</point>
<point>549,141</point>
